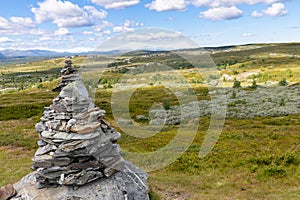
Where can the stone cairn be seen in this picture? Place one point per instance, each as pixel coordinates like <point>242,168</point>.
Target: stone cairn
<point>76,144</point>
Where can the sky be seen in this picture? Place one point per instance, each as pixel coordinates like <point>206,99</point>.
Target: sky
<point>83,25</point>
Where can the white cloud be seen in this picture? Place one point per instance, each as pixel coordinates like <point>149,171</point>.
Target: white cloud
<point>50,10</point>
<point>154,36</point>
<point>257,14</point>
<point>5,39</point>
<point>165,5</point>
<point>106,32</point>
<point>127,26</point>
<point>229,3</point>
<point>276,9</point>
<point>96,13</point>
<point>45,38</point>
<point>16,25</point>
<point>148,38</point>
<point>4,24</point>
<point>179,5</point>
<point>122,29</point>
<point>87,32</point>
<point>67,14</point>
<point>222,13</point>
<point>247,35</point>
<point>115,4</point>
<point>20,21</point>
<point>37,32</point>
<point>104,24</point>
<point>62,31</point>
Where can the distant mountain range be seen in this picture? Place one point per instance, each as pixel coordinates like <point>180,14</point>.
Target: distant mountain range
<point>10,53</point>
<point>30,53</point>
<point>37,54</point>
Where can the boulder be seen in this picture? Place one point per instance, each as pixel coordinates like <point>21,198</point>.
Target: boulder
<point>129,184</point>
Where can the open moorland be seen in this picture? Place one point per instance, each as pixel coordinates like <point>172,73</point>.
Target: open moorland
<point>257,155</point>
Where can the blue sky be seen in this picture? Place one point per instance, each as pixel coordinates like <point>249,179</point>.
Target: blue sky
<point>82,25</point>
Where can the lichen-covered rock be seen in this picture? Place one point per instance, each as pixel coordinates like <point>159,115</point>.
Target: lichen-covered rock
<point>7,192</point>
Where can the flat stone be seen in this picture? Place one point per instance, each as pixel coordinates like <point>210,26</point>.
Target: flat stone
<point>41,143</point>
<point>63,116</point>
<point>40,127</point>
<point>74,145</point>
<point>58,107</point>
<point>84,129</point>
<point>69,136</point>
<point>46,161</point>
<point>85,165</point>
<point>45,149</point>
<point>53,124</point>
<point>95,115</point>
<point>72,154</point>
<point>80,178</point>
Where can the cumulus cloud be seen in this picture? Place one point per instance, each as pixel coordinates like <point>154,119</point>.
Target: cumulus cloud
<point>5,39</point>
<point>66,14</point>
<point>100,27</point>
<point>180,5</point>
<point>229,3</point>
<point>96,13</point>
<point>127,26</point>
<point>87,32</point>
<point>62,31</point>
<point>4,24</point>
<point>164,5</point>
<point>20,21</point>
<point>257,14</point>
<point>115,4</point>
<point>222,13</point>
<point>276,9</point>
<point>16,25</point>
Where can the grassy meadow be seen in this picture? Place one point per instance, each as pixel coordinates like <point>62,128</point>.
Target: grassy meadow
<point>254,158</point>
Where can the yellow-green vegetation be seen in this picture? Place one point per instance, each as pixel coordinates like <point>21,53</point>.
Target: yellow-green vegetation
<point>256,158</point>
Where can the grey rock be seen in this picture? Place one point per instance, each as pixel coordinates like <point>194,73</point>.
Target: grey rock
<point>40,127</point>
<point>68,136</point>
<point>41,143</point>
<point>46,161</point>
<point>129,184</point>
<point>45,149</point>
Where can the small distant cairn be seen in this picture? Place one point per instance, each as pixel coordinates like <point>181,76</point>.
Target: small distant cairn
<point>76,144</point>
<point>68,75</point>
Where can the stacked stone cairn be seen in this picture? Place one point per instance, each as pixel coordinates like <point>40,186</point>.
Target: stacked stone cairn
<point>76,145</point>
